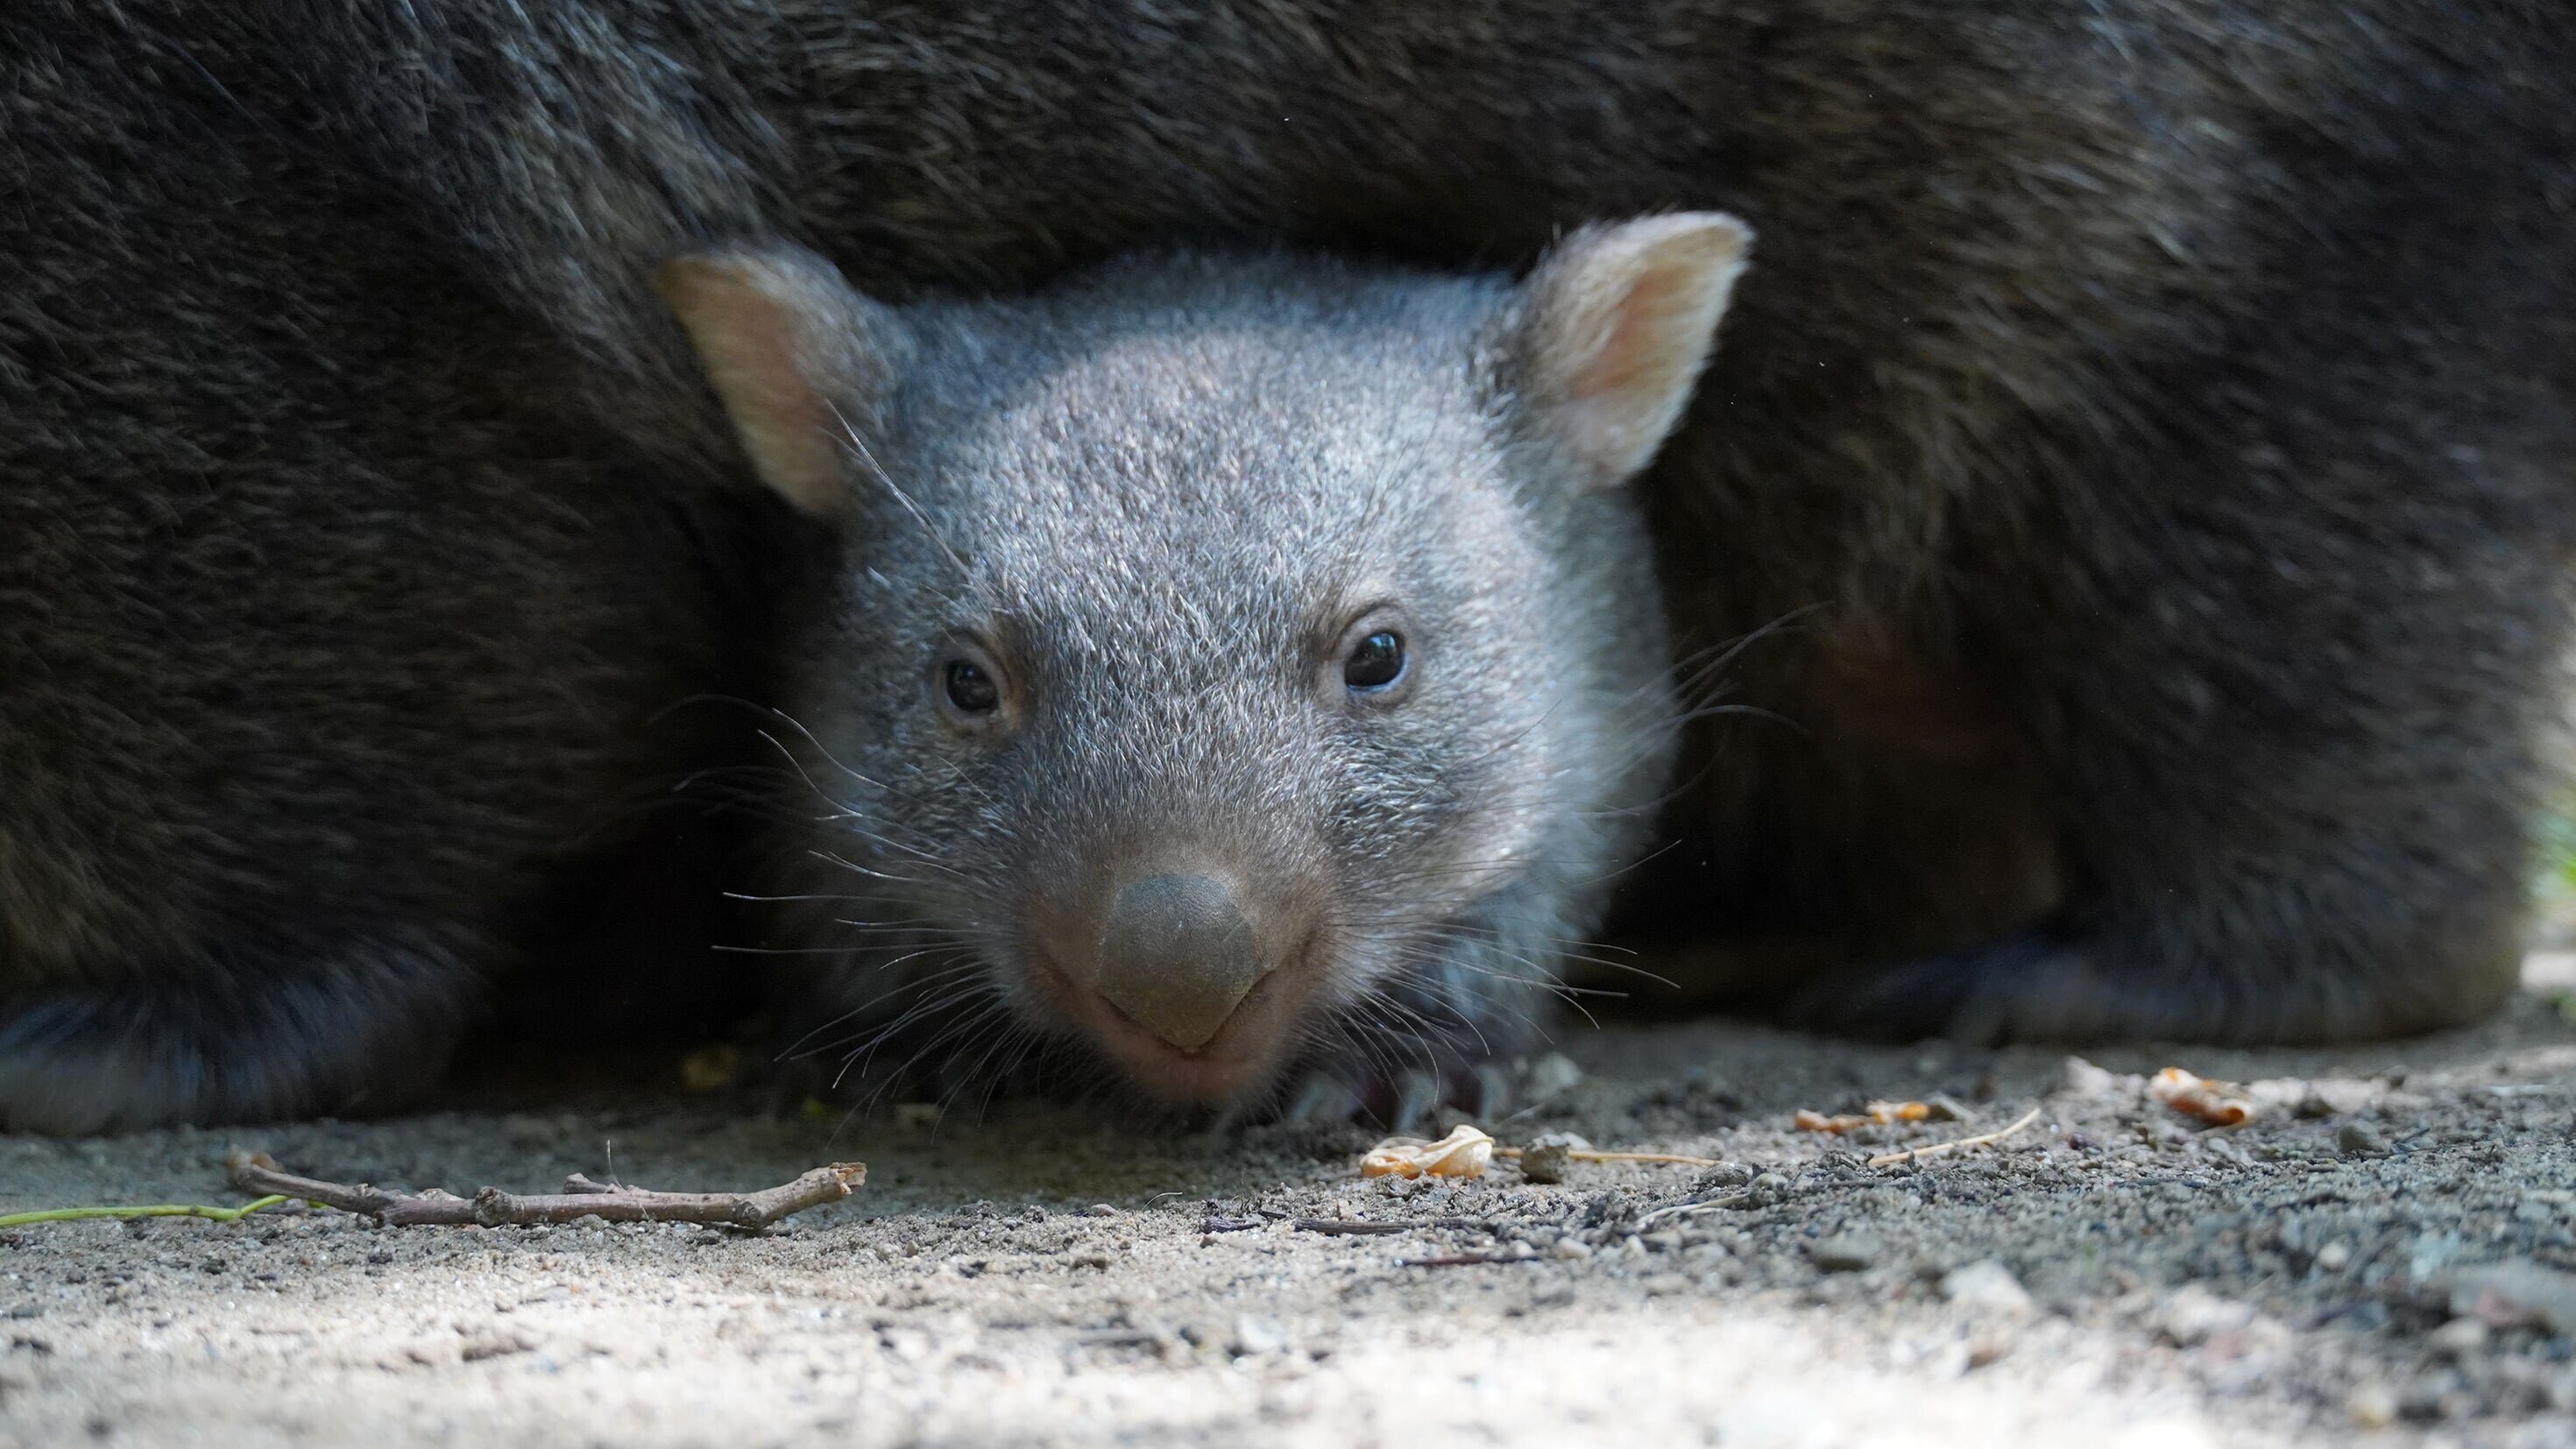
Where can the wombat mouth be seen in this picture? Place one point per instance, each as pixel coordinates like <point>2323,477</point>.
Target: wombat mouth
<point>1247,1049</point>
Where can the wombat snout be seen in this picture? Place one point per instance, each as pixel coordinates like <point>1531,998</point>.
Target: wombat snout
<point>1185,972</point>
<point>1177,956</point>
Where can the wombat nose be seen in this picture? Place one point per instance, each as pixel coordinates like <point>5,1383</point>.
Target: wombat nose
<point>1177,956</point>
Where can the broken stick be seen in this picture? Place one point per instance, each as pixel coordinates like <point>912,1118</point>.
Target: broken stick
<point>1369,1228</point>
<point>1595,1154</point>
<point>1912,1154</point>
<point>581,1198</point>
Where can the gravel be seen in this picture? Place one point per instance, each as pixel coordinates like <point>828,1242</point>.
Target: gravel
<point>2387,1247</point>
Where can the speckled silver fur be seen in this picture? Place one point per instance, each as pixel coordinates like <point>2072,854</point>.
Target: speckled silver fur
<point>1163,488</point>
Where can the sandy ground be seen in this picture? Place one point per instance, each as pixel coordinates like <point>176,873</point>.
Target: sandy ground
<point>2113,1276</point>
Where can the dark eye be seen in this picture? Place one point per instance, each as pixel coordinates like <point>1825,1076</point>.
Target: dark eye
<point>1375,663</point>
<point>970,689</point>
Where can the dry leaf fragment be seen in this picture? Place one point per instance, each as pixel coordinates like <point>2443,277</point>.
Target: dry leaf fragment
<point>1463,1153</point>
<point>2218,1103</point>
<point>1876,1114</point>
<point>710,1068</point>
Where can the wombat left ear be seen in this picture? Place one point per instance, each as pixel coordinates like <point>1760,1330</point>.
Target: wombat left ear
<point>797,357</point>
<point>1616,324</point>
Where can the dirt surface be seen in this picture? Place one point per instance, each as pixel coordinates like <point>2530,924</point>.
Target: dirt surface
<point>2114,1275</point>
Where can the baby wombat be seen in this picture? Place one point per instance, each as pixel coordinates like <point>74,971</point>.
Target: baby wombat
<point>1243,664</point>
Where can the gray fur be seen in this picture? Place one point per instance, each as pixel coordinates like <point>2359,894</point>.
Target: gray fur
<point>2166,400</point>
<point>1155,497</point>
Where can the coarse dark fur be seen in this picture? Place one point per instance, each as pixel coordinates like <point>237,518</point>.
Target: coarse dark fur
<point>2160,408</point>
<point>330,634</point>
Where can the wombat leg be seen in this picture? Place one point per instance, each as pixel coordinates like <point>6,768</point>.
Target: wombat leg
<point>1321,1098</point>
<point>1417,1095</point>
<point>1403,1101</point>
<point>2046,987</point>
<point>360,1034</point>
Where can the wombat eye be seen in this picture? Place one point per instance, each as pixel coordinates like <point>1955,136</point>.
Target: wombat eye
<point>1375,663</point>
<point>970,690</point>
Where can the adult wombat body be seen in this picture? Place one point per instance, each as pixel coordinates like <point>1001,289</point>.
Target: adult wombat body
<point>1240,662</point>
<point>331,631</point>
<point>2166,402</point>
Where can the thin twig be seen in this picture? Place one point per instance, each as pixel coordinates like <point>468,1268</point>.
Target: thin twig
<point>1694,1207</point>
<point>1914,1154</point>
<point>1124,1338</point>
<point>1364,1228</point>
<point>1587,1154</point>
<point>1748,1198</point>
<point>170,1210</point>
<point>581,1198</point>
<point>1466,1260</point>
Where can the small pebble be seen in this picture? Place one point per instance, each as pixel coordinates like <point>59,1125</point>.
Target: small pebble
<point>2372,1406</point>
<point>2425,1396</point>
<point>2515,1292</point>
<point>2360,1139</point>
<point>1986,1286</point>
<point>2194,1313</point>
<point>2334,1257</point>
<point>1549,1156</point>
<point>2459,1338</point>
<point>1253,1336</point>
<point>1570,1246</point>
<point>2077,1077</point>
<point>1843,1252</point>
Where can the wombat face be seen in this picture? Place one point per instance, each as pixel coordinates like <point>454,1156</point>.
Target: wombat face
<point>1239,660</point>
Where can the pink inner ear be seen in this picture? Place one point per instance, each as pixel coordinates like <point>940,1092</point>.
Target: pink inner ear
<point>748,339</point>
<point>1626,317</point>
<point>1639,349</point>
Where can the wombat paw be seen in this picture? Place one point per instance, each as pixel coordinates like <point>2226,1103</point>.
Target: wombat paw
<point>1981,996</point>
<point>363,1031</point>
<point>1402,1101</point>
<point>2040,987</point>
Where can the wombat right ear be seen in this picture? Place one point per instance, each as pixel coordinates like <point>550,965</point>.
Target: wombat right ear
<point>797,356</point>
<point>1617,322</point>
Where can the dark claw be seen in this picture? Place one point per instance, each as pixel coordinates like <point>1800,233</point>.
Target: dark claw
<point>1417,1096</point>
<point>1955,994</point>
<point>1406,1103</point>
<point>2042,987</point>
<point>1323,1098</point>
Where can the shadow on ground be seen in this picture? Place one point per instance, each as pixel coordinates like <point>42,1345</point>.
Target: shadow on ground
<point>2114,1275</point>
